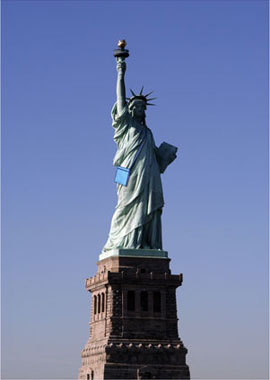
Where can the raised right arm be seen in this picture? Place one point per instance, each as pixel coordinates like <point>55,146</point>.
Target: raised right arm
<point>120,86</point>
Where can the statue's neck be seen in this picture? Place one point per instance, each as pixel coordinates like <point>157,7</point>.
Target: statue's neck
<point>140,121</point>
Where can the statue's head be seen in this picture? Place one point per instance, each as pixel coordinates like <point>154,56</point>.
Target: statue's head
<point>137,104</point>
<point>137,108</point>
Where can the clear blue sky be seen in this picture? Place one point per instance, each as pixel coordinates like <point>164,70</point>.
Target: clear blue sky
<point>207,62</point>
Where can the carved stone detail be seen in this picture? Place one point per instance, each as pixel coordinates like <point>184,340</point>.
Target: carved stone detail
<point>139,343</point>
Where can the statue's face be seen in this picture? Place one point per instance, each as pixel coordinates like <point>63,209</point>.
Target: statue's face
<point>138,109</point>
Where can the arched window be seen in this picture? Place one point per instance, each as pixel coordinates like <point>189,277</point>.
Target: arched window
<point>92,375</point>
<point>131,300</point>
<point>157,302</point>
<point>98,303</point>
<point>144,301</point>
<point>88,376</point>
<point>102,302</point>
<point>95,304</point>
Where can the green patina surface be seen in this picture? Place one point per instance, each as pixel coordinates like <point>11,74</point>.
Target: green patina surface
<point>136,223</point>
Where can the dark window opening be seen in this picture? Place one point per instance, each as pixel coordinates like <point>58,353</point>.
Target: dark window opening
<point>143,270</point>
<point>131,300</point>
<point>92,375</point>
<point>157,302</point>
<point>99,303</point>
<point>147,375</point>
<point>88,376</point>
<point>144,301</point>
<point>102,302</point>
<point>95,304</point>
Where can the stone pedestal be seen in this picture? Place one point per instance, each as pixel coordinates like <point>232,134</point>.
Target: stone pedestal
<point>133,326</point>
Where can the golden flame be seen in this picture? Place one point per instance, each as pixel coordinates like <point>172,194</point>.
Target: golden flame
<point>121,44</point>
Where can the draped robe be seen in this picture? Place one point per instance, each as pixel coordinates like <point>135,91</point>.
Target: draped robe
<point>136,222</point>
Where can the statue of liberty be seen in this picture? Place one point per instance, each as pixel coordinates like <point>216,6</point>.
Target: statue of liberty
<point>136,223</point>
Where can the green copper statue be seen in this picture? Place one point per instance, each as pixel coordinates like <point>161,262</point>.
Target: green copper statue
<point>136,223</point>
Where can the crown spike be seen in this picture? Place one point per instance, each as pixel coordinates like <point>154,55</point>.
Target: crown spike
<point>141,92</point>
<point>150,104</point>
<point>148,94</point>
<point>133,93</point>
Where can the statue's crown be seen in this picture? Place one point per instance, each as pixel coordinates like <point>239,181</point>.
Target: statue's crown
<point>141,96</point>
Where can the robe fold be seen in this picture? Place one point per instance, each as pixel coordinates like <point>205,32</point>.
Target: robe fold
<point>136,222</point>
